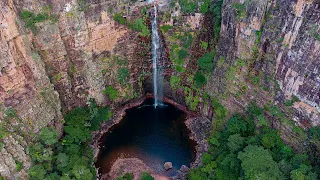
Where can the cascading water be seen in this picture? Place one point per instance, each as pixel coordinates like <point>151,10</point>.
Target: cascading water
<point>157,89</point>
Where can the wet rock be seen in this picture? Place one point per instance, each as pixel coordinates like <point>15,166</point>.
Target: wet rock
<point>184,168</point>
<point>167,165</point>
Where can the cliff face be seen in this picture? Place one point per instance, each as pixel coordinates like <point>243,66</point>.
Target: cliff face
<point>279,40</point>
<point>66,62</point>
<point>267,51</point>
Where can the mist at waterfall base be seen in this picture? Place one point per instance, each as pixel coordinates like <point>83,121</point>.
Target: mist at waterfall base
<point>154,135</point>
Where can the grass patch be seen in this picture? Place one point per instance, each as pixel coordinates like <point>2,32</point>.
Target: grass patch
<point>111,92</point>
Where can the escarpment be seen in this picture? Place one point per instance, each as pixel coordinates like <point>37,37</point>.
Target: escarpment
<point>58,55</point>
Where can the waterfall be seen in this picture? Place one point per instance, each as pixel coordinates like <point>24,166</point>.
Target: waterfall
<point>157,79</point>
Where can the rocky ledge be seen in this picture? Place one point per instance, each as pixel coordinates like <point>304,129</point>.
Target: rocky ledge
<point>131,165</point>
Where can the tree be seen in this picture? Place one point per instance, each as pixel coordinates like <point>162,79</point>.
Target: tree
<point>37,172</point>
<point>39,153</point>
<point>270,139</point>
<point>229,168</point>
<point>196,174</point>
<point>236,125</point>
<point>49,135</point>
<point>257,163</point>
<point>82,172</point>
<point>302,173</point>
<point>62,161</point>
<point>235,142</point>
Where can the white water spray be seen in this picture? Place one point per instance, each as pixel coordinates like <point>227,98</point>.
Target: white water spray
<point>155,58</point>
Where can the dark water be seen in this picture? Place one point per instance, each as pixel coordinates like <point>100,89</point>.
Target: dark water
<point>152,135</point>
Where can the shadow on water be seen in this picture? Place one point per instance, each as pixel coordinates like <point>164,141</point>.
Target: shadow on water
<point>153,135</point>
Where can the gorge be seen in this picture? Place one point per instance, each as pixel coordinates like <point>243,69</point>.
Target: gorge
<point>245,74</point>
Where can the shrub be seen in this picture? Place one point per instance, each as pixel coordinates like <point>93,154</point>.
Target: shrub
<point>315,132</point>
<point>111,92</point>
<point>258,38</point>
<point>19,165</point>
<point>206,62</point>
<point>200,80</point>
<point>31,19</point>
<point>182,54</point>
<point>292,101</point>
<point>146,176</point>
<point>139,26</point>
<point>82,5</point>
<point>127,176</point>
<point>165,28</point>
<point>123,74</point>
<point>119,18</point>
<point>204,8</point>
<point>204,45</point>
<point>216,10</point>
<point>175,82</point>
<point>240,9</point>
<point>188,6</point>
<point>219,109</point>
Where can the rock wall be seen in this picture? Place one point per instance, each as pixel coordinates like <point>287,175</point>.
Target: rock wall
<point>277,40</point>
<point>65,63</point>
<point>268,53</point>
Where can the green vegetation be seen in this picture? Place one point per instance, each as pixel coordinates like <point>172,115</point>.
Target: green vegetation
<point>82,5</point>
<point>111,92</point>
<point>200,80</point>
<point>220,114</point>
<point>258,34</point>
<point>244,150</point>
<point>204,45</point>
<point>165,28</point>
<point>127,176</point>
<point>123,74</point>
<point>192,99</point>
<point>206,62</point>
<point>175,82</point>
<point>49,135</point>
<point>70,157</point>
<point>188,6</point>
<point>19,165</point>
<point>315,132</point>
<point>292,101</point>
<point>314,33</point>
<point>240,9</point>
<point>120,19</point>
<point>146,176</point>
<point>31,19</point>
<point>216,10</point>
<point>138,25</point>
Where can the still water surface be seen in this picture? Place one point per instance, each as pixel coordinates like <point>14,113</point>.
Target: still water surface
<point>154,135</point>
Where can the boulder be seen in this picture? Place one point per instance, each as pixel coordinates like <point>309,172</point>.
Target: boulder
<point>184,169</point>
<point>167,165</point>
